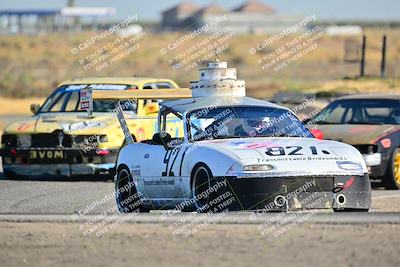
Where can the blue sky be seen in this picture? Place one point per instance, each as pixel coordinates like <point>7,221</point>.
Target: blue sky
<point>150,9</point>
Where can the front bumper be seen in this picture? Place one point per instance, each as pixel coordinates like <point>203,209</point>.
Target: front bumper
<point>60,170</point>
<point>293,193</point>
<point>57,162</point>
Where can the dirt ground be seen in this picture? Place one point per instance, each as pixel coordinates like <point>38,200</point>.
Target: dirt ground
<point>45,244</point>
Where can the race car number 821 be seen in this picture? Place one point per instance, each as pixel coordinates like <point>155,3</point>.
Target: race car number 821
<point>292,151</point>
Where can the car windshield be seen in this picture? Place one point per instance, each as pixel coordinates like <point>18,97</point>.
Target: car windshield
<point>237,122</point>
<point>360,111</point>
<point>66,99</point>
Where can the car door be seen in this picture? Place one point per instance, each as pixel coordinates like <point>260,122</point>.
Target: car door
<point>159,178</point>
<point>151,164</point>
<point>162,179</point>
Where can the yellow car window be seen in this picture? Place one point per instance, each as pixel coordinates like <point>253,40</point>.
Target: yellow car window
<point>72,102</point>
<point>59,103</point>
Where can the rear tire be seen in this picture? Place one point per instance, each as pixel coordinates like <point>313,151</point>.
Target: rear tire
<point>127,198</point>
<point>391,180</point>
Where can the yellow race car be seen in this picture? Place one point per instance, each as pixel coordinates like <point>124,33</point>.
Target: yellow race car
<point>63,140</point>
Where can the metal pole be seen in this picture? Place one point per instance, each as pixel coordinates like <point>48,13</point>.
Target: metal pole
<point>123,124</point>
<point>9,21</point>
<point>19,22</point>
<point>362,63</point>
<point>383,62</point>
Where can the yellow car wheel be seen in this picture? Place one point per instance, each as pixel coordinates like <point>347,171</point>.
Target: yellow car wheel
<point>396,167</point>
<point>392,179</point>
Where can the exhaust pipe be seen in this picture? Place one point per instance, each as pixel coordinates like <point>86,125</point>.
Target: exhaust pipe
<point>341,199</point>
<point>280,201</point>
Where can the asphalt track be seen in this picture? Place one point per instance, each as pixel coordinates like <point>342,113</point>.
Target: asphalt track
<point>316,217</point>
<point>63,201</point>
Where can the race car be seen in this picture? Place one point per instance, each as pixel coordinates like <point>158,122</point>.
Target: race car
<point>63,140</point>
<point>235,153</point>
<point>370,123</point>
<point>304,104</point>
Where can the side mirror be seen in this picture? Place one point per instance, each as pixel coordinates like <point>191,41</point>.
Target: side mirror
<point>35,108</point>
<point>317,133</point>
<point>163,139</point>
<point>151,108</point>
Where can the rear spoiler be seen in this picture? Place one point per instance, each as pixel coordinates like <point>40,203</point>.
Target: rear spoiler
<point>142,94</point>
<point>132,94</point>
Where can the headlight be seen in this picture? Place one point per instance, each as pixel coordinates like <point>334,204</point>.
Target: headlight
<point>258,167</point>
<point>349,165</point>
<point>102,139</point>
<point>86,125</point>
<point>89,140</point>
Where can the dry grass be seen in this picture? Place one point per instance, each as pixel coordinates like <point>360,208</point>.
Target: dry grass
<point>16,107</point>
<point>365,86</point>
<point>362,86</point>
<point>12,106</point>
<point>34,65</point>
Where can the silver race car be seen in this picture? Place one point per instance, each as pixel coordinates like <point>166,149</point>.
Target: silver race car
<point>233,152</point>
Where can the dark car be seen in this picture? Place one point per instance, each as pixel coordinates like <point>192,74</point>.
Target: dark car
<point>371,123</point>
<point>296,101</point>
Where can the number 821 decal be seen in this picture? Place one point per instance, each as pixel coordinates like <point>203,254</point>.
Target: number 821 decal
<point>293,151</point>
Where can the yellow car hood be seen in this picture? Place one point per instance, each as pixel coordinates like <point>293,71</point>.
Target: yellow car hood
<point>76,123</point>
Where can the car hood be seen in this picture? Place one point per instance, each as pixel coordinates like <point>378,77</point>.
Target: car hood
<point>291,156</point>
<point>76,123</point>
<point>356,134</point>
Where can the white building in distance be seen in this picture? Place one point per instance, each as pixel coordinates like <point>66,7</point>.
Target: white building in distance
<point>251,17</point>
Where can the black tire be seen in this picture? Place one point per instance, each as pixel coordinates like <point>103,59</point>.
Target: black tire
<point>391,181</point>
<point>128,201</point>
<point>350,210</point>
<point>201,179</point>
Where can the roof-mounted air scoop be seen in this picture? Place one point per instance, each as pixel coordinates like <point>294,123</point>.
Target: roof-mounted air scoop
<point>218,80</point>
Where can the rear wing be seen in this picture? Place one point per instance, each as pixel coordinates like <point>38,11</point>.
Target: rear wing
<point>142,94</point>
<point>134,94</point>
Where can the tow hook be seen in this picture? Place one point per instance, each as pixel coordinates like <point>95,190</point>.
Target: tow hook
<point>341,200</point>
